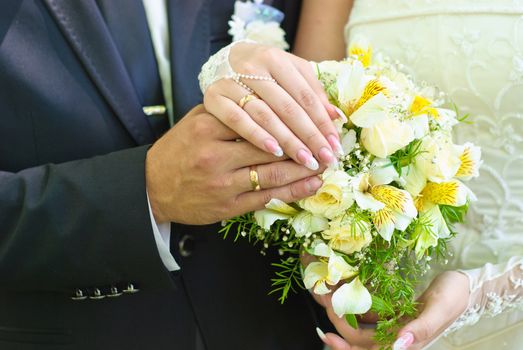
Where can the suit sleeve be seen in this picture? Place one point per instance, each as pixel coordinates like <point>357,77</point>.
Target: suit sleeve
<point>78,224</point>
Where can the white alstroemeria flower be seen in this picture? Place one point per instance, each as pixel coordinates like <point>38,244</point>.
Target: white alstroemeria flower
<point>320,274</point>
<point>320,248</point>
<point>275,210</point>
<point>424,106</point>
<point>306,223</point>
<point>363,98</point>
<point>453,193</point>
<point>419,125</point>
<point>439,158</point>
<point>413,179</point>
<point>382,135</point>
<point>331,68</point>
<point>427,234</point>
<point>333,198</point>
<point>470,161</point>
<point>351,298</point>
<point>361,50</point>
<point>351,84</point>
<point>393,208</point>
<point>348,234</point>
<point>446,118</point>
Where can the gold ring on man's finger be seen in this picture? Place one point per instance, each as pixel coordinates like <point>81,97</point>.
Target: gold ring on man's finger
<point>255,180</point>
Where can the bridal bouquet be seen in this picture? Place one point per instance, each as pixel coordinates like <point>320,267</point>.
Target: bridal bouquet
<point>389,206</point>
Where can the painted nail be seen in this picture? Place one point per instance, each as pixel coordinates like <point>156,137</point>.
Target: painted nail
<point>273,147</point>
<point>403,342</point>
<point>322,335</point>
<point>306,159</point>
<point>314,184</point>
<point>342,115</point>
<point>336,145</point>
<point>327,157</point>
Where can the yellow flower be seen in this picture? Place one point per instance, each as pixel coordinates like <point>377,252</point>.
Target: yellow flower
<point>348,234</point>
<point>470,161</point>
<point>392,207</point>
<point>452,193</point>
<point>333,198</point>
<point>361,50</point>
<point>421,105</point>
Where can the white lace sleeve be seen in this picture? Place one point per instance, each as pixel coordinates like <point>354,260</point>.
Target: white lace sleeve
<point>493,289</point>
<point>218,67</point>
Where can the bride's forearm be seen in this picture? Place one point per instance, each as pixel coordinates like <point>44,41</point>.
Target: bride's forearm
<point>320,31</point>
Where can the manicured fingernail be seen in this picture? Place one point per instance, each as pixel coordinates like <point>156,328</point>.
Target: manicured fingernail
<point>403,342</point>
<point>306,159</point>
<point>342,115</point>
<point>336,145</point>
<point>322,335</point>
<point>327,157</point>
<point>273,147</point>
<point>331,109</point>
<point>314,184</point>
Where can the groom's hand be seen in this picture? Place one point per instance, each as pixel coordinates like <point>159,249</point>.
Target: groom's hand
<point>198,173</point>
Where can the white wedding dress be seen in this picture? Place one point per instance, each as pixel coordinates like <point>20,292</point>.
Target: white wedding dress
<point>473,50</point>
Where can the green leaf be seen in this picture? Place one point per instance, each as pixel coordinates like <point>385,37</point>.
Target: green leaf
<point>381,306</point>
<point>454,215</point>
<point>351,320</point>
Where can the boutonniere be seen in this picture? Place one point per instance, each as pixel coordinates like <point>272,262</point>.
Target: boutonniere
<point>258,22</point>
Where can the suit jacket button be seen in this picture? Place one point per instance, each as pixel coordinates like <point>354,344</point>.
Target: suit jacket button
<point>97,295</point>
<point>114,293</point>
<point>186,246</point>
<point>79,295</point>
<point>131,289</point>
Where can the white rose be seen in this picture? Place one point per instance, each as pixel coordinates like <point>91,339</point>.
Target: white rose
<point>333,198</point>
<point>348,234</point>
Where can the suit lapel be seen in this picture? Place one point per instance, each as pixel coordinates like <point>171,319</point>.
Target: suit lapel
<point>85,29</point>
<point>189,24</point>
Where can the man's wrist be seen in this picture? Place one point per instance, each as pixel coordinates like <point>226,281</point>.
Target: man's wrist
<point>151,180</point>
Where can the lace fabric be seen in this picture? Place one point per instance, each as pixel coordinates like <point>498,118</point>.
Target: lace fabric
<point>473,50</point>
<point>494,289</point>
<point>217,67</point>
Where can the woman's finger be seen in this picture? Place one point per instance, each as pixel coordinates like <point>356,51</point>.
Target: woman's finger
<point>309,93</point>
<point>230,114</point>
<point>296,119</point>
<point>306,69</point>
<point>264,116</point>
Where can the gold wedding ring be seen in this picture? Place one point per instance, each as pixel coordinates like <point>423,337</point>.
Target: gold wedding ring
<point>253,175</point>
<point>247,98</point>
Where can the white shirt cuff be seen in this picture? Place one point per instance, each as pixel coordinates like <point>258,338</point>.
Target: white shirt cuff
<point>162,236</point>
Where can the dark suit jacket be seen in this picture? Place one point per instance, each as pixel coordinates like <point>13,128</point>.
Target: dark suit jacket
<point>73,209</point>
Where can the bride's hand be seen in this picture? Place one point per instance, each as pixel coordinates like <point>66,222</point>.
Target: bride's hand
<point>440,305</point>
<point>291,116</point>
